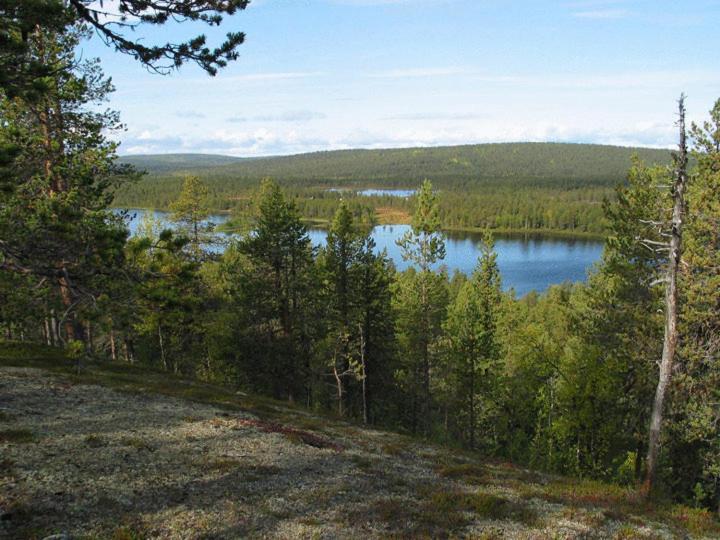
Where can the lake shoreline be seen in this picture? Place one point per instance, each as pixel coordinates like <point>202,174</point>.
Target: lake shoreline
<point>528,260</point>
<point>320,223</point>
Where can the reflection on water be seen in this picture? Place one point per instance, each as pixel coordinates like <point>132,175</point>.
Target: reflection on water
<point>526,262</point>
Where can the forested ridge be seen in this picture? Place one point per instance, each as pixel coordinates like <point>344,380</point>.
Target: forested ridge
<point>615,379</point>
<point>541,164</point>
<point>508,186</point>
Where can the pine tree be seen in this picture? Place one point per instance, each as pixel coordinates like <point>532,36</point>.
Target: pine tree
<point>191,211</point>
<point>423,245</point>
<point>471,328</point>
<point>341,263</point>
<point>275,284</point>
<point>54,220</point>
<point>21,72</point>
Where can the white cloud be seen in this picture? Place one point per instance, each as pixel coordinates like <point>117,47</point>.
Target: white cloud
<point>189,114</point>
<point>269,141</point>
<point>287,116</point>
<point>424,116</point>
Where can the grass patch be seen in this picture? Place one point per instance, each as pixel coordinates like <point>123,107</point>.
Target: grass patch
<point>223,465</point>
<point>17,436</point>
<point>627,532</point>
<point>6,466</point>
<point>698,521</point>
<point>17,513</point>
<point>6,417</point>
<point>250,473</point>
<point>128,533</point>
<point>137,443</point>
<point>395,449</point>
<point>619,503</point>
<point>363,463</point>
<point>391,215</point>
<point>441,513</point>
<point>470,473</point>
<point>584,493</point>
<point>482,505</point>
<point>95,441</point>
<point>255,473</point>
<point>294,438</point>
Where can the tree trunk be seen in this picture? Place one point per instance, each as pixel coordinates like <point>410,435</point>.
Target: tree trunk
<point>424,302</point>
<point>54,328</point>
<point>90,337</point>
<point>364,376</point>
<point>113,354</point>
<point>472,400</point>
<point>338,382</point>
<point>671,305</point>
<point>46,330</point>
<point>162,348</point>
<point>66,297</point>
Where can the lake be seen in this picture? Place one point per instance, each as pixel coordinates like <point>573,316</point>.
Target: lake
<point>526,262</point>
<point>403,193</point>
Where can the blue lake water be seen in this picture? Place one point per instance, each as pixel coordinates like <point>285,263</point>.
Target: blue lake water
<point>526,263</point>
<point>404,193</point>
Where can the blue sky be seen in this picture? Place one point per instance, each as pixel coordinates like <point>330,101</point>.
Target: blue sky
<point>331,74</point>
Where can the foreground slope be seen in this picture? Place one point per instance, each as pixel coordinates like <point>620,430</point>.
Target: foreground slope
<point>121,452</point>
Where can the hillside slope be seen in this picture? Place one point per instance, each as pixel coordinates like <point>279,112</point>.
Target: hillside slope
<point>554,163</point>
<point>120,452</point>
<point>168,163</point>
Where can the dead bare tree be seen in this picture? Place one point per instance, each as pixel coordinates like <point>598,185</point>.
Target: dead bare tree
<point>674,250</point>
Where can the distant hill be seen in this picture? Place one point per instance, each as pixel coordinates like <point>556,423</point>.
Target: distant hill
<point>168,163</point>
<point>513,186</point>
<point>558,164</point>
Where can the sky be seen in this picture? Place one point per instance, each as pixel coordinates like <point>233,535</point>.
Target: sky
<point>335,74</point>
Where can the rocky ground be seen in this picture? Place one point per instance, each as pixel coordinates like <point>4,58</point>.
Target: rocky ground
<point>119,455</point>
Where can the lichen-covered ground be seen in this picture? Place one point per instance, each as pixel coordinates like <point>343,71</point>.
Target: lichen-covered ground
<point>127,454</point>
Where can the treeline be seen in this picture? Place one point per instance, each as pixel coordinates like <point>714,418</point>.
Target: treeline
<point>562,381</point>
<point>518,186</point>
<point>538,164</point>
<point>576,210</point>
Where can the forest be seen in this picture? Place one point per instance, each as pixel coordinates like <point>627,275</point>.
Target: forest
<point>615,379</point>
<point>526,187</point>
